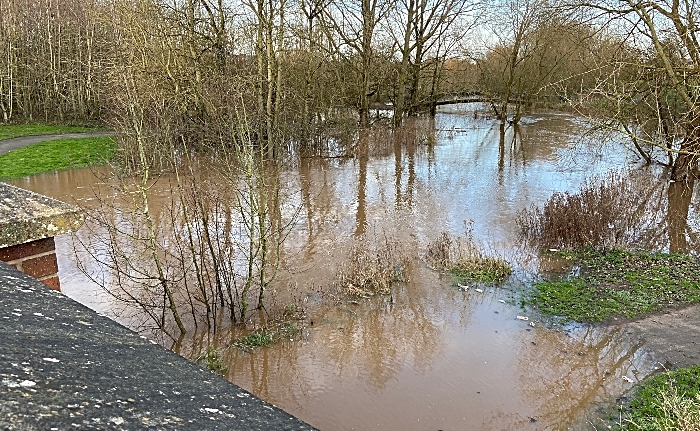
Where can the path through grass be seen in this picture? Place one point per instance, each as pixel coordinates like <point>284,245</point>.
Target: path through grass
<point>17,130</point>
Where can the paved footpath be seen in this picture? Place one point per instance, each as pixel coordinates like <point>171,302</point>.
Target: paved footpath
<point>7,145</point>
<point>64,367</point>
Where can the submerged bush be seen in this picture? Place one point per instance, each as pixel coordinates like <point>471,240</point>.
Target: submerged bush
<point>608,212</point>
<point>373,268</point>
<point>464,257</point>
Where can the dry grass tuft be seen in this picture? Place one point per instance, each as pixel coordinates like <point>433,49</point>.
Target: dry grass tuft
<point>674,411</point>
<point>373,268</point>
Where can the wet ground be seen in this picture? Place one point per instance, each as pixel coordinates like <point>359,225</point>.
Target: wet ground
<point>430,356</point>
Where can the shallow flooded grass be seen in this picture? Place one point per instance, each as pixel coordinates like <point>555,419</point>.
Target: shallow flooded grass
<point>268,335</point>
<point>212,359</point>
<point>667,401</point>
<point>619,283</point>
<point>255,339</point>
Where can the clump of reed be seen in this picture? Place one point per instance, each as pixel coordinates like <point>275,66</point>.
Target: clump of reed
<point>465,258</point>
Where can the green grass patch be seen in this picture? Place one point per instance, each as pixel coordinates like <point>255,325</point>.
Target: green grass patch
<point>486,269</point>
<point>667,401</point>
<point>56,155</point>
<point>466,259</point>
<point>620,283</point>
<point>17,130</point>
<point>255,339</point>
<point>283,330</point>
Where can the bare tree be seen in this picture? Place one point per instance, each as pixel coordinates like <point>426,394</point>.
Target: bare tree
<point>660,101</point>
<point>354,25</point>
<point>420,28</point>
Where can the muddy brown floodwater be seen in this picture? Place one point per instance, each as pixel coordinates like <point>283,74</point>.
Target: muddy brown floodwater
<point>430,357</point>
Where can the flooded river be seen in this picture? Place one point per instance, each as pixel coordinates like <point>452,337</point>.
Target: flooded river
<point>428,357</point>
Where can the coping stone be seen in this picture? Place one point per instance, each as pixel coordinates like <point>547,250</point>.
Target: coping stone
<point>63,366</point>
<point>27,216</point>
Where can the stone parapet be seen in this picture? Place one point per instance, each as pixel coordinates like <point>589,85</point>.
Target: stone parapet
<point>28,223</point>
<point>27,216</point>
<point>64,367</point>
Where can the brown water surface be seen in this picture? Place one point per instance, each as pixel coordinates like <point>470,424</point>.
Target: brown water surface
<point>430,357</point>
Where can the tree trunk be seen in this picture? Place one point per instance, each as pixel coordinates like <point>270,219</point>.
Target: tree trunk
<point>685,165</point>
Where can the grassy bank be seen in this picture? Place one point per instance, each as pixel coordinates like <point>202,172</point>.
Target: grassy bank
<point>619,283</point>
<point>17,130</point>
<point>667,401</point>
<point>55,155</point>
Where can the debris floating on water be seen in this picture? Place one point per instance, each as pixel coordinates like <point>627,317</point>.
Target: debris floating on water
<point>463,287</point>
<point>532,324</point>
<point>501,301</point>
<point>480,290</point>
<point>522,318</point>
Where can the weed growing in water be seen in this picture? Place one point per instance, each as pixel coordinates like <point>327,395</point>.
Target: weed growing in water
<point>668,401</point>
<point>606,212</point>
<point>212,359</point>
<point>289,330</point>
<point>255,339</point>
<point>373,268</point>
<point>620,283</point>
<point>464,258</point>
<point>268,335</point>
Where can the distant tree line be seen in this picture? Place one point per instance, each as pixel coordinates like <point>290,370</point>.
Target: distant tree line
<point>302,70</point>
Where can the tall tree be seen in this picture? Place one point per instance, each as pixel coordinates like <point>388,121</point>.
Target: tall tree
<point>420,28</point>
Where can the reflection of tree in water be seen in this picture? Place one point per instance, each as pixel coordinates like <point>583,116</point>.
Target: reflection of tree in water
<point>379,341</point>
<point>582,367</point>
<point>371,343</point>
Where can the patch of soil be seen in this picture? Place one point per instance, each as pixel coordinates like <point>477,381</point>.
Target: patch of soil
<point>674,335</point>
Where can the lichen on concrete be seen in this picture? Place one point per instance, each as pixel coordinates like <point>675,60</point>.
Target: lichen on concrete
<point>27,216</point>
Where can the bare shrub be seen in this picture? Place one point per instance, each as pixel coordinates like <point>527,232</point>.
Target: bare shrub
<point>464,257</point>
<point>373,267</point>
<point>606,212</point>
